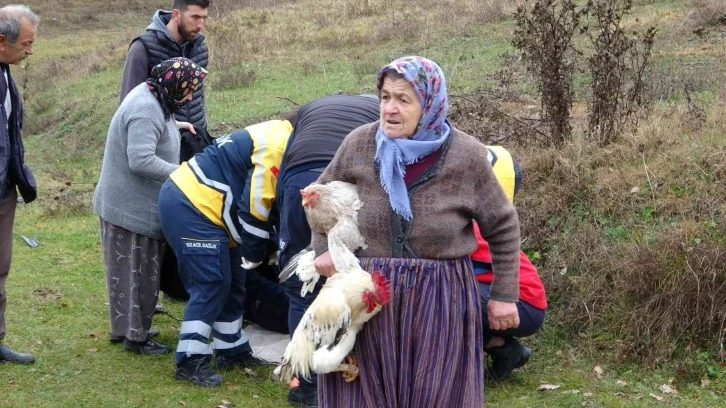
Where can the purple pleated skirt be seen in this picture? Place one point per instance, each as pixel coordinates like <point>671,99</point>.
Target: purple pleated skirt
<point>424,348</point>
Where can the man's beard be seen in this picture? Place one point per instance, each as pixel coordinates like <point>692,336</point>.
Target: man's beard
<point>185,34</point>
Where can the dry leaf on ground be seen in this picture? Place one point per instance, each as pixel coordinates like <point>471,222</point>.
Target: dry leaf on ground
<point>621,383</point>
<point>667,389</point>
<point>547,387</point>
<point>598,372</point>
<point>250,372</point>
<point>183,403</point>
<point>656,397</point>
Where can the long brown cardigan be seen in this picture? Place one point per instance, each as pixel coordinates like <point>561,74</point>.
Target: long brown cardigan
<point>458,187</point>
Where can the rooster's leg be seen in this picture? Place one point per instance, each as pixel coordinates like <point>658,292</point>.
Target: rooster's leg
<point>350,368</point>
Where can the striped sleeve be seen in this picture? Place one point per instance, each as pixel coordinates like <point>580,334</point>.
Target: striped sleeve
<point>255,204</point>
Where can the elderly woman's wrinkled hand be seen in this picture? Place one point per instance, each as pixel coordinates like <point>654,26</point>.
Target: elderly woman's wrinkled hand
<point>502,315</point>
<point>324,265</point>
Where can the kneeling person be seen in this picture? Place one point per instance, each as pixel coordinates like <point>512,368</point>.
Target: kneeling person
<point>214,212</point>
<point>506,352</point>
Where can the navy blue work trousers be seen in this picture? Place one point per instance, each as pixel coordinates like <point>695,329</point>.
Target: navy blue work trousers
<point>217,295</point>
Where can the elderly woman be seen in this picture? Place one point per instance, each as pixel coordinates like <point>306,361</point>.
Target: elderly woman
<point>142,149</point>
<point>422,182</point>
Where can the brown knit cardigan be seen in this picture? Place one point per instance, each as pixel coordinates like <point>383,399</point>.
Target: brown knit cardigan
<point>458,187</point>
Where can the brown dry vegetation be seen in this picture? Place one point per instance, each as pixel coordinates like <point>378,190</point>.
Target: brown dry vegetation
<point>710,12</point>
<point>632,237</point>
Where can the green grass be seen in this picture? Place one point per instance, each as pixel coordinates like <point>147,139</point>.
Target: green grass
<point>57,310</point>
<point>57,293</point>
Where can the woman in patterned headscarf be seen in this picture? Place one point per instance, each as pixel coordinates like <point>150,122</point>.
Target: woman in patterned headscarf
<point>142,149</point>
<point>422,182</point>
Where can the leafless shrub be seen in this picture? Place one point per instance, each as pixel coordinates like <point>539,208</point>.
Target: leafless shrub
<point>617,67</point>
<point>494,117</point>
<point>508,72</point>
<point>544,34</point>
<point>710,12</point>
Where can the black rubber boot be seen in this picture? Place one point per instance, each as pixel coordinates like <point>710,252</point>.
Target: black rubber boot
<point>506,358</point>
<point>197,370</point>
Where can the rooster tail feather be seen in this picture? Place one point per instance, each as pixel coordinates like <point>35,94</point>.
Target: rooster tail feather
<point>307,273</point>
<point>343,259</point>
<point>283,372</point>
<point>292,266</point>
<point>298,358</point>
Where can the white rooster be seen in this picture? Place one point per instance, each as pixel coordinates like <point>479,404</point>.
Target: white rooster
<point>326,334</point>
<point>331,209</point>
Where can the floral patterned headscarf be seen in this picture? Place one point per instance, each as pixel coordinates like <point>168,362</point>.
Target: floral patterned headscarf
<point>427,79</point>
<point>172,80</point>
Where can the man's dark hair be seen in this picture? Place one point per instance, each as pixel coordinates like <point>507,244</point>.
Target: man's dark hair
<point>182,5</point>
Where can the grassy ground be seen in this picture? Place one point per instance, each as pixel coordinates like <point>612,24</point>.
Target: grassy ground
<point>57,311</point>
<point>267,53</point>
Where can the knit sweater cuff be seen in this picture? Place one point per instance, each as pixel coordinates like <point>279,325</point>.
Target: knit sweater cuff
<point>502,297</point>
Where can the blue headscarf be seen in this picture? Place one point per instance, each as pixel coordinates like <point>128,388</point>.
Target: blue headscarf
<point>393,155</point>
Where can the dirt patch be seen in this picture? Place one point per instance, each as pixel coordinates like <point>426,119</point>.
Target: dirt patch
<point>47,294</point>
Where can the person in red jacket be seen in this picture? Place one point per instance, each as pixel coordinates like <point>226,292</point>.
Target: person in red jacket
<point>506,351</point>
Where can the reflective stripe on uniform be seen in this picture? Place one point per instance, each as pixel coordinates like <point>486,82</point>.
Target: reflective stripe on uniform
<point>193,347</point>
<point>196,327</point>
<point>270,139</point>
<point>260,233</point>
<point>228,327</point>
<point>223,345</point>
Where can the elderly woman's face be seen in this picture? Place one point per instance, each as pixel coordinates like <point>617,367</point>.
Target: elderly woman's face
<point>400,108</point>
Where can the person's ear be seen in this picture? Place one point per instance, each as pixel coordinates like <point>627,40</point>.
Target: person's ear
<point>176,15</point>
<point>3,42</point>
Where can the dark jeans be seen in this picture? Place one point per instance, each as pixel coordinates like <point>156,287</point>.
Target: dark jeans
<point>7,216</point>
<point>530,318</point>
<point>294,237</point>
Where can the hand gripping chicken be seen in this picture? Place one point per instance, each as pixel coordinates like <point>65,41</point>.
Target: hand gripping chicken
<point>326,334</point>
<point>331,209</point>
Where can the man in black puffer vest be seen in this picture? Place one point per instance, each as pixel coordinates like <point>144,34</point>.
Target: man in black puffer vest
<point>175,33</point>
